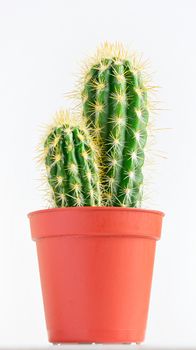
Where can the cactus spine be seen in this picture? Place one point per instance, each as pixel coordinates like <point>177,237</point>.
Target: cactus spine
<point>71,164</point>
<point>115,105</point>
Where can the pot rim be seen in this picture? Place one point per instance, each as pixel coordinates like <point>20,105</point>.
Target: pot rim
<point>94,208</point>
<point>95,221</point>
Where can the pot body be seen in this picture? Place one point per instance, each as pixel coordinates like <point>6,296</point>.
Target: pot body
<point>96,269</point>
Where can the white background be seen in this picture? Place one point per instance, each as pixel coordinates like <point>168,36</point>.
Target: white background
<point>42,43</point>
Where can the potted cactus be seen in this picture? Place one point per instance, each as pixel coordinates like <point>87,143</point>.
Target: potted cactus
<point>96,245</point>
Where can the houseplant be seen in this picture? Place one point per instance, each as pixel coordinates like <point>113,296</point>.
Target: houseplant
<point>96,245</point>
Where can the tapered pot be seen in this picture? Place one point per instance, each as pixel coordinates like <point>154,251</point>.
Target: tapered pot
<point>96,266</point>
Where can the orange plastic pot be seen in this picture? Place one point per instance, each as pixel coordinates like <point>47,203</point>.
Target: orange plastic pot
<point>96,267</point>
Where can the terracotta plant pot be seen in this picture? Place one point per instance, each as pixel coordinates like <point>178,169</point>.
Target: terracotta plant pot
<point>96,267</point>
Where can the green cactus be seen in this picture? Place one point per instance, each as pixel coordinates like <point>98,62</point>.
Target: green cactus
<point>71,165</point>
<point>115,105</point>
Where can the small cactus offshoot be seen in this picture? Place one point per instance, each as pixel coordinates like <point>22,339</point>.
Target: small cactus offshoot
<point>115,105</point>
<point>71,164</point>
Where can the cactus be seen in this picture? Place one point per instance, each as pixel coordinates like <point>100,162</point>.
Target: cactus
<point>115,105</point>
<point>71,165</point>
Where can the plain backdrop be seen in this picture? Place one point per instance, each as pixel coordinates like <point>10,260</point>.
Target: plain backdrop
<point>42,45</point>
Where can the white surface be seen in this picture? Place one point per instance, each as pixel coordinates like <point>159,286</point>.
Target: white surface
<point>41,44</point>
